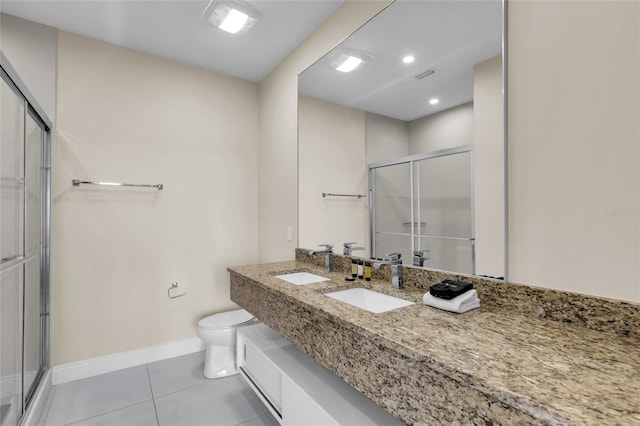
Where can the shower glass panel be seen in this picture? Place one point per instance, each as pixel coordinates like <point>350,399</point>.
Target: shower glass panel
<point>443,195</point>
<point>32,326</point>
<point>393,243</point>
<point>33,350</point>
<point>24,266</point>
<point>11,345</point>
<point>11,174</point>
<point>447,254</point>
<point>425,202</point>
<point>34,137</point>
<point>391,212</point>
<point>443,211</point>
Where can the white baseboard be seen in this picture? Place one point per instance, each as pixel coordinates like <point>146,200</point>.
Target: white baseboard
<point>107,364</point>
<point>9,386</point>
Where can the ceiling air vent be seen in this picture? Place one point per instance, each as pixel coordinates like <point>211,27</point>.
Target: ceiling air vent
<point>425,74</point>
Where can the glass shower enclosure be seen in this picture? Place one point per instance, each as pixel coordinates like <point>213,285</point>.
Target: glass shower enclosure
<point>24,247</point>
<point>424,203</point>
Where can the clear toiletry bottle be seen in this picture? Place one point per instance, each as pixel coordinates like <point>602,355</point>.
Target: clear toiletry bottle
<point>360,269</point>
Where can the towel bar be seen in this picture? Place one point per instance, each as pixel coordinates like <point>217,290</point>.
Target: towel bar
<point>329,194</point>
<point>77,182</point>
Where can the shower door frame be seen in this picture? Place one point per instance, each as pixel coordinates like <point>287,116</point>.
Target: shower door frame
<point>412,160</point>
<point>33,109</point>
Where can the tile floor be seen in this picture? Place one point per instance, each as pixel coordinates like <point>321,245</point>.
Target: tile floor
<point>172,392</point>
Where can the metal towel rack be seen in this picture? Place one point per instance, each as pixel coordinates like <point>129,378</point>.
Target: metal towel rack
<point>329,194</point>
<point>78,182</point>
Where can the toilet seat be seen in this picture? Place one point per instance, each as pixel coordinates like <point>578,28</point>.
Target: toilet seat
<point>226,320</point>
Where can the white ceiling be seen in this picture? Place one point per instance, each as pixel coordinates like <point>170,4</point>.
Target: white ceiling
<point>448,36</point>
<point>175,29</point>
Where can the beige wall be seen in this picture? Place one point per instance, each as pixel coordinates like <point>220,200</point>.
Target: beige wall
<point>488,113</point>
<point>387,138</point>
<point>130,117</point>
<point>31,49</point>
<point>332,154</point>
<point>278,129</point>
<point>574,182</point>
<point>446,129</point>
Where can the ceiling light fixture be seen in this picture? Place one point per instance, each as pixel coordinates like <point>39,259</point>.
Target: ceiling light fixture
<point>349,60</point>
<point>434,101</point>
<point>349,64</point>
<point>231,16</point>
<point>408,59</point>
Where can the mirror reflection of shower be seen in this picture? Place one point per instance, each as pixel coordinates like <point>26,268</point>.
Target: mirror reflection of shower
<point>422,207</point>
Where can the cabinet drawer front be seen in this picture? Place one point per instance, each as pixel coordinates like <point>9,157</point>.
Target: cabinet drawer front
<point>300,409</point>
<point>264,374</point>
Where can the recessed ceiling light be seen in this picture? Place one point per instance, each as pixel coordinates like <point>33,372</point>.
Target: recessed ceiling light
<point>349,64</point>
<point>408,59</point>
<point>348,60</point>
<point>434,101</point>
<point>234,21</point>
<point>231,16</point>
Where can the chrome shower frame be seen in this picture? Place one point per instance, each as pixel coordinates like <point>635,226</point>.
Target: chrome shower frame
<point>37,113</point>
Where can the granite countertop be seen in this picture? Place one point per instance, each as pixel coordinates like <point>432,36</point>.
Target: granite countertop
<point>560,373</point>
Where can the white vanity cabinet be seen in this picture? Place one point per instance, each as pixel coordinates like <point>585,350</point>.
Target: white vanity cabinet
<point>265,377</point>
<point>296,389</point>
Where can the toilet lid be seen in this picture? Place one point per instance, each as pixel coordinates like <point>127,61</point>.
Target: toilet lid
<point>226,319</point>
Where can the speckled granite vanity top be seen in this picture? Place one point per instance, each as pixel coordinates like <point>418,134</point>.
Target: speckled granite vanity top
<point>551,369</point>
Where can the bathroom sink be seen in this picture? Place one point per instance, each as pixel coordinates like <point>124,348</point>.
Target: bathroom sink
<point>302,278</point>
<point>369,300</point>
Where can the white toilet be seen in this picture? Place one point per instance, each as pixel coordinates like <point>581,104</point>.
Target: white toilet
<point>219,333</point>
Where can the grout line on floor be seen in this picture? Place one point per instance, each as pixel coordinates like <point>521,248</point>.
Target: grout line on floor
<point>182,390</point>
<point>108,412</point>
<point>153,398</point>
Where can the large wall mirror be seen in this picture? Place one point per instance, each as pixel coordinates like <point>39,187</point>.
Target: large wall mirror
<point>405,152</point>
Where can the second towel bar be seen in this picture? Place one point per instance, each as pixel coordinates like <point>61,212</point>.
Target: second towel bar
<point>329,194</point>
<point>77,182</point>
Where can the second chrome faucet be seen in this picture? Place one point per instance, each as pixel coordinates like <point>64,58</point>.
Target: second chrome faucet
<point>395,264</point>
<point>328,256</point>
<point>349,248</point>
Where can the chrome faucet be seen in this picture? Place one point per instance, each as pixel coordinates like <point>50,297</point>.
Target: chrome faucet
<point>395,263</point>
<point>348,248</point>
<point>419,258</point>
<point>328,256</point>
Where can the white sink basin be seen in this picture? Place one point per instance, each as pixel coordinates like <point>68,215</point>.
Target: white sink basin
<point>371,301</point>
<point>302,278</point>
